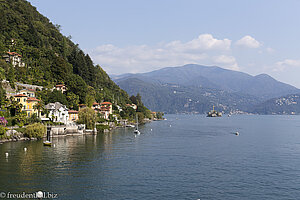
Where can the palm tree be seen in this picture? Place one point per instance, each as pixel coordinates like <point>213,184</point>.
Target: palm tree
<point>39,106</point>
<point>15,107</point>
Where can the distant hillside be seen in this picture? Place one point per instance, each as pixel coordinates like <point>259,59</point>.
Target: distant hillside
<point>263,86</point>
<point>173,98</point>
<point>50,57</point>
<point>231,90</point>
<point>289,104</point>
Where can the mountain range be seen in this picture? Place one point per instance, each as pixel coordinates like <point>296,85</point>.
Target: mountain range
<point>195,88</point>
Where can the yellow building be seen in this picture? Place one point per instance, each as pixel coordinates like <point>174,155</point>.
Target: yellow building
<point>27,103</point>
<point>73,115</point>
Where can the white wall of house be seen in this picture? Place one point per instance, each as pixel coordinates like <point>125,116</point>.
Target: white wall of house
<point>60,115</point>
<point>58,112</point>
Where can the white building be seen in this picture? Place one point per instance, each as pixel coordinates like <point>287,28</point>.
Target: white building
<point>58,112</point>
<point>14,58</point>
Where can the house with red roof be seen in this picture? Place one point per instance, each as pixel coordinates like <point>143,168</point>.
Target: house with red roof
<point>73,115</point>
<point>132,106</point>
<point>105,111</point>
<point>106,106</point>
<point>28,104</point>
<point>60,87</point>
<point>81,106</point>
<point>96,106</point>
<point>14,58</point>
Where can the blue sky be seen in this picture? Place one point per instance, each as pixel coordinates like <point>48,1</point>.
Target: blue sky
<point>254,36</point>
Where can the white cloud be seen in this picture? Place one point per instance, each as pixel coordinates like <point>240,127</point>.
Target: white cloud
<point>287,63</point>
<point>228,62</point>
<point>248,42</point>
<point>205,49</point>
<point>270,50</point>
<point>203,42</point>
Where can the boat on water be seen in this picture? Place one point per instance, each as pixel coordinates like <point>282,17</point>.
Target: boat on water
<point>130,126</point>
<point>214,113</point>
<point>48,141</point>
<point>136,131</point>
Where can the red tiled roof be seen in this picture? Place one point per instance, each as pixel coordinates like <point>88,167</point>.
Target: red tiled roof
<point>60,85</point>
<point>20,95</point>
<point>32,99</point>
<point>104,109</point>
<point>106,103</point>
<point>95,103</point>
<point>14,54</point>
<point>73,111</point>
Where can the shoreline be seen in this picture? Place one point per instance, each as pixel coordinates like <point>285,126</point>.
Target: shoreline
<point>64,131</point>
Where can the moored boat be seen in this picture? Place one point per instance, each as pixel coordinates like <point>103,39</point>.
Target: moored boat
<point>48,142</point>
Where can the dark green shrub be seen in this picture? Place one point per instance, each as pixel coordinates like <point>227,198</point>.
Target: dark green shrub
<point>36,130</point>
<point>101,128</point>
<point>2,130</point>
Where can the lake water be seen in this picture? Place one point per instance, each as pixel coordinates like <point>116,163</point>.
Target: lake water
<point>185,157</point>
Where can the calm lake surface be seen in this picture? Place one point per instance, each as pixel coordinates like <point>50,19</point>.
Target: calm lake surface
<point>184,157</point>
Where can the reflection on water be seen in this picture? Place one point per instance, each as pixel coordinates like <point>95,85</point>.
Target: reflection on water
<point>196,157</point>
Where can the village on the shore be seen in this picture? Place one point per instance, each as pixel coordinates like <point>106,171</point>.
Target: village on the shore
<point>22,112</point>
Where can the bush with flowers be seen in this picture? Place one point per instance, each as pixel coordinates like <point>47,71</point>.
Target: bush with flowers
<point>3,123</point>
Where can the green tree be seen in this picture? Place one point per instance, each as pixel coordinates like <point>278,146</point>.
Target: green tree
<point>57,96</point>
<point>88,117</point>
<point>141,117</point>
<point>39,106</point>
<point>73,100</point>
<point>2,96</point>
<point>2,74</point>
<point>90,97</point>
<point>36,130</point>
<point>77,85</point>
<point>133,99</point>
<point>89,100</point>
<point>14,107</point>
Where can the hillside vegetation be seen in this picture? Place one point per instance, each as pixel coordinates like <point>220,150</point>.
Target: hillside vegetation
<point>50,57</point>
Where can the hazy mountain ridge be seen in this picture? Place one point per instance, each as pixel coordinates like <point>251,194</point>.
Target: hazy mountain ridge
<point>195,88</point>
<point>173,98</point>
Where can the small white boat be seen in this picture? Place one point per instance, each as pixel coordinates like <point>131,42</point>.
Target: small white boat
<point>130,126</point>
<point>47,143</point>
<point>136,131</point>
<point>237,133</point>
